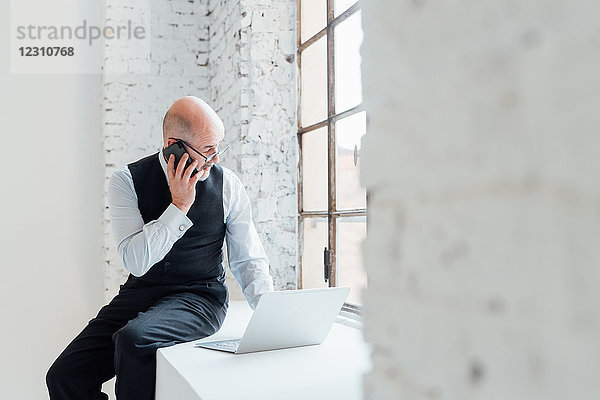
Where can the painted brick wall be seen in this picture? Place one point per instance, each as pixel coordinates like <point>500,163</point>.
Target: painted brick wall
<point>266,151</point>
<point>482,250</point>
<point>200,48</point>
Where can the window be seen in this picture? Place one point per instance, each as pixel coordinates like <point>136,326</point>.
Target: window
<point>331,122</point>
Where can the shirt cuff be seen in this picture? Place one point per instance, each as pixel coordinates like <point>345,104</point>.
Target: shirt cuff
<point>175,220</point>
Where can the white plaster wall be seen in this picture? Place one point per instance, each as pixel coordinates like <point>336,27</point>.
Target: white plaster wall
<point>51,198</point>
<point>482,162</point>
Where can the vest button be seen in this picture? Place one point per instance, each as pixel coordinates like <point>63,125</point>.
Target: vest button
<point>167,263</point>
<point>181,228</point>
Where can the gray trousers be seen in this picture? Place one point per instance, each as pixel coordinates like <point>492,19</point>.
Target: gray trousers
<point>123,338</point>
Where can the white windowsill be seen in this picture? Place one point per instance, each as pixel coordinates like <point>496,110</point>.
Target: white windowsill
<point>333,369</point>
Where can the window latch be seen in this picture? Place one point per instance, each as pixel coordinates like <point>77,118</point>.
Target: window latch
<point>326,264</point>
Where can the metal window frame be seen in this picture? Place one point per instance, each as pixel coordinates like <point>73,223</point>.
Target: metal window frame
<point>332,213</point>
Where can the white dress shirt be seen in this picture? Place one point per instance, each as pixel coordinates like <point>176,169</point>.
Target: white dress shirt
<point>142,245</point>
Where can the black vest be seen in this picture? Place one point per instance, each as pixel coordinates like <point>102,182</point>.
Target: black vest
<point>198,255</point>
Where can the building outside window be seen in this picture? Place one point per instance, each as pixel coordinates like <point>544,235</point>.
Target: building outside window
<point>331,122</point>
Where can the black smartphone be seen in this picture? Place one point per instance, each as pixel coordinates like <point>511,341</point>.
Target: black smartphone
<point>178,149</point>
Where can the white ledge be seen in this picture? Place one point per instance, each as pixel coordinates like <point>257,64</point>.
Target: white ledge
<point>333,369</point>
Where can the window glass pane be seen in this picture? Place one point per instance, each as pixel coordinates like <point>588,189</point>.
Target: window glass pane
<point>348,87</point>
<point>314,170</point>
<point>313,64</point>
<point>348,134</point>
<point>314,241</point>
<point>313,14</point>
<point>350,233</point>
<point>342,5</point>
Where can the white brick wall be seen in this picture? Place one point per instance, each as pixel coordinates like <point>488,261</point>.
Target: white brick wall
<point>482,162</point>
<point>208,49</point>
<point>246,79</point>
<point>134,103</point>
<point>268,129</point>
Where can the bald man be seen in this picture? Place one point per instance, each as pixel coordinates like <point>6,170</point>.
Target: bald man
<point>169,223</point>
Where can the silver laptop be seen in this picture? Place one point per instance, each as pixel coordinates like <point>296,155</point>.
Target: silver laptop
<point>289,318</point>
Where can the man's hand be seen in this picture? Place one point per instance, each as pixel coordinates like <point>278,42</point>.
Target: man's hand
<point>182,187</point>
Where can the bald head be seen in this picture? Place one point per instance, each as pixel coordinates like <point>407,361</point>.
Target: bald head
<point>194,121</point>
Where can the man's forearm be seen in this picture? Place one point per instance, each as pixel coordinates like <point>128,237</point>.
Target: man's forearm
<point>144,248</point>
<point>250,266</point>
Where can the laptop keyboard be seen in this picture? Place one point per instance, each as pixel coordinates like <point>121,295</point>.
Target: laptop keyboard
<point>229,345</point>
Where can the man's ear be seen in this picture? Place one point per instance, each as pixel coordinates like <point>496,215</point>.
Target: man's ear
<point>170,142</point>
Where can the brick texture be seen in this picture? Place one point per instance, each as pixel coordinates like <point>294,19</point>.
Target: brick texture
<point>211,49</point>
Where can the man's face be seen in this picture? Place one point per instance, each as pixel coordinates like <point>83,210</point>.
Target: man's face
<point>207,144</point>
